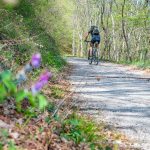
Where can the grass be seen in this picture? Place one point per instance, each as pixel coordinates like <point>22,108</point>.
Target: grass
<point>4,139</point>
<point>81,130</point>
<point>142,64</point>
<point>23,26</point>
<point>138,64</point>
<point>57,92</point>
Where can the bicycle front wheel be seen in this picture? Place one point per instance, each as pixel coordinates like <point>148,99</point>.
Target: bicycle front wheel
<point>96,57</point>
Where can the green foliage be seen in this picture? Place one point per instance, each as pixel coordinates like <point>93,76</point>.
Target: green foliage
<point>48,120</point>
<point>124,28</point>
<point>57,92</point>
<point>142,64</point>
<point>50,107</point>
<point>11,146</point>
<point>4,133</point>
<point>8,88</point>
<point>25,8</point>
<point>81,130</point>
<point>42,102</point>
<point>40,29</point>
<point>4,140</point>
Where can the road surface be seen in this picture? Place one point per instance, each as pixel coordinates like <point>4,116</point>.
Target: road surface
<point>114,94</point>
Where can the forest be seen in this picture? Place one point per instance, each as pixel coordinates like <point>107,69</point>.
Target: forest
<point>36,37</point>
<point>124,26</point>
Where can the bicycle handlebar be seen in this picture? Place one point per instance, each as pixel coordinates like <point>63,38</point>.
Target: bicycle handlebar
<point>87,41</point>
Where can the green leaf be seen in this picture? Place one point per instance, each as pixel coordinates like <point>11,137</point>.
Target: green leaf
<point>1,146</point>
<point>4,133</point>
<point>57,117</point>
<point>31,99</point>
<point>3,92</point>
<point>74,122</point>
<point>11,86</point>
<point>92,146</point>
<point>6,75</point>
<point>42,101</point>
<point>20,95</point>
<point>11,146</point>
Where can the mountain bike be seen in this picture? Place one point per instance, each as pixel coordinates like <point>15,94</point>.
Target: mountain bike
<point>94,58</point>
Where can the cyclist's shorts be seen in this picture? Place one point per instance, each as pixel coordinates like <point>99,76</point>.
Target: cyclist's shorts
<point>95,38</point>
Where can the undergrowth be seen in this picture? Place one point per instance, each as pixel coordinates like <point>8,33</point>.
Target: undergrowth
<point>25,28</point>
<point>57,92</point>
<point>81,130</point>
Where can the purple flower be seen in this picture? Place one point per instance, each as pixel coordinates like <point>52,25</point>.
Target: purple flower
<point>45,76</point>
<point>36,87</point>
<point>36,60</point>
<point>43,80</point>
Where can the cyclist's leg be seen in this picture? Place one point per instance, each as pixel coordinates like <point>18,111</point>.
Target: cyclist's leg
<point>97,46</point>
<point>91,52</point>
<point>91,47</point>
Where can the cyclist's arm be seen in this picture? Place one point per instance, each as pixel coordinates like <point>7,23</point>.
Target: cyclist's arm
<point>86,36</point>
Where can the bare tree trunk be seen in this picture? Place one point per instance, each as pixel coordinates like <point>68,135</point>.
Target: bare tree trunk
<point>81,44</point>
<point>73,43</point>
<point>124,32</point>
<point>114,39</point>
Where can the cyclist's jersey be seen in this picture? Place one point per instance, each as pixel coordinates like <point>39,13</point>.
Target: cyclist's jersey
<point>94,38</point>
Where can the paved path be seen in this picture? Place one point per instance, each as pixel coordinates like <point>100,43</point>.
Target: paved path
<point>112,93</point>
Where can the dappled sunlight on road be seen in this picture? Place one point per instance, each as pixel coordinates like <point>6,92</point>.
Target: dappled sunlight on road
<point>112,93</point>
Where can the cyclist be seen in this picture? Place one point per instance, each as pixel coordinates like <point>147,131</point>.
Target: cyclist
<point>95,37</point>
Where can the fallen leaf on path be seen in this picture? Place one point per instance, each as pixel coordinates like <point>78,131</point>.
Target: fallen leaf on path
<point>5,125</point>
<point>14,135</point>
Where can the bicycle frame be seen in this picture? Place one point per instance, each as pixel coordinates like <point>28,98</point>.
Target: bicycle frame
<point>94,58</point>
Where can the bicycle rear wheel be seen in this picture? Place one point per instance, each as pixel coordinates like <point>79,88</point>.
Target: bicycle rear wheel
<point>90,60</point>
<point>96,58</point>
<point>91,57</point>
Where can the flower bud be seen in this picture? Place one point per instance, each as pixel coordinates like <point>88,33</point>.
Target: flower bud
<point>36,60</point>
